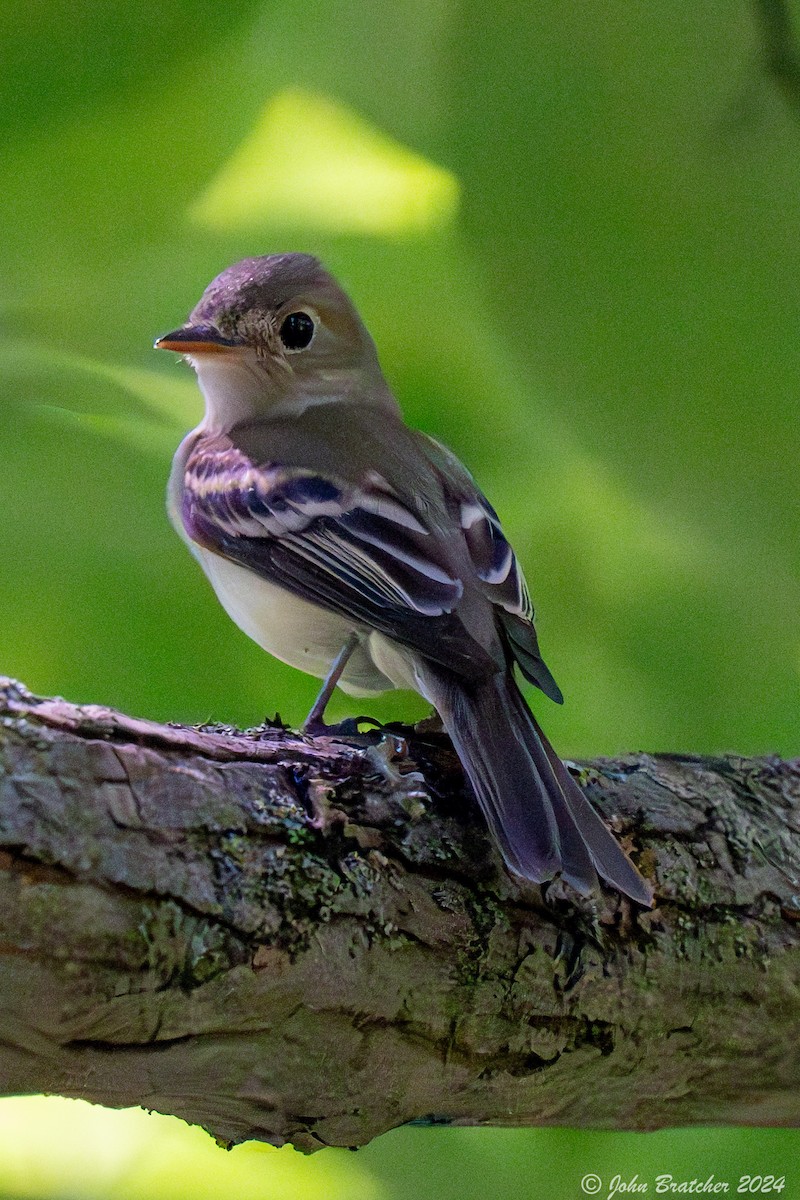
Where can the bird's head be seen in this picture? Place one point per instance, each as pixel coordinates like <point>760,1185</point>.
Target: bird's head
<point>276,334</point>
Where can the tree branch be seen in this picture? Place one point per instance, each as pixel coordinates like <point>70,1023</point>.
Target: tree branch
<point>270,937</point>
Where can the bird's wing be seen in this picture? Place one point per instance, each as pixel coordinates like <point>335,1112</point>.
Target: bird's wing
<point>495,563</point>
<point>354,548</point>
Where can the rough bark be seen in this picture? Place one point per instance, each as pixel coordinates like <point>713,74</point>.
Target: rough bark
<point>271,937</point>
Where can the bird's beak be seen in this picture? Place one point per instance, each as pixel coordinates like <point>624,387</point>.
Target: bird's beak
<point>196,339</point>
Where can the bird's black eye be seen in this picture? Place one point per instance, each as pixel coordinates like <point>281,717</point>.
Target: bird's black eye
<point>297,331</point>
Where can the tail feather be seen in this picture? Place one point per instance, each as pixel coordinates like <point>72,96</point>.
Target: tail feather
<point>610,860</point>
<point>538,815</point>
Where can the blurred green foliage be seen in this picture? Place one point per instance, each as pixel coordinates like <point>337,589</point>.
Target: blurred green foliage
<point>573,231</point>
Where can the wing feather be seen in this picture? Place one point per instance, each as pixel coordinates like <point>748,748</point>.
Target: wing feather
<point>496,566</point>
<point>354,548</point>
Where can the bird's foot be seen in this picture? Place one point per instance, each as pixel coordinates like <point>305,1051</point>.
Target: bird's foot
<point>349,728</point>
<point>383,751</point>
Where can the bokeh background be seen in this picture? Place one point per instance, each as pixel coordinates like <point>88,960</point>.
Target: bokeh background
<point>574,231</point>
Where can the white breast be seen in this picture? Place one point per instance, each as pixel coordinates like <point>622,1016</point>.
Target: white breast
<point>293,630</point>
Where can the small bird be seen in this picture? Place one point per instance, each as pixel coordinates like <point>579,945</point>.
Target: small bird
<point>363,552</point>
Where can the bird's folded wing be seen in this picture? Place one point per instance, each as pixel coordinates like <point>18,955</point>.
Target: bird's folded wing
<point>496,565</point>
<point>353,548</point>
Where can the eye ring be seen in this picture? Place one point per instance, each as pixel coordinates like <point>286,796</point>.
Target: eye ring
<point>297,331</point>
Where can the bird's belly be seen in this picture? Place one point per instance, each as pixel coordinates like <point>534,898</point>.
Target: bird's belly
<point>297,632</point>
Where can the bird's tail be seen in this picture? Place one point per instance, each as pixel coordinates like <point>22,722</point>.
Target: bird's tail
<point>538,815</point>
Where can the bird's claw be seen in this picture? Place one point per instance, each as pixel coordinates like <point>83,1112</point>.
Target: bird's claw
<point>316,727</point>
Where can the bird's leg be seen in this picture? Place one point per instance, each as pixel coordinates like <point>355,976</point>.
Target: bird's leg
<point>315,721</point>
<point>380,755</point>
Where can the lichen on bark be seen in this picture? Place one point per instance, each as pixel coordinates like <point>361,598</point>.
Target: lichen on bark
<point>277,938</point>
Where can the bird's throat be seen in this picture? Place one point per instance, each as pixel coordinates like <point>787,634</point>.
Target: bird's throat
<point>238,390</point>
<point>235,388</point>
